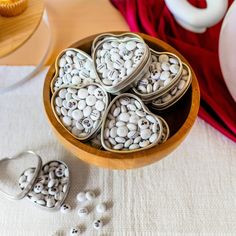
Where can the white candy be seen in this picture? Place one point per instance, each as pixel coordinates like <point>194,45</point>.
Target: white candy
<point>66,120</point>
<point>62,93</point>
<point>131,126</point>
<point>144,143</point>
<point>95,115</point>
<point>143,123</point>
<point>101,208</point>
<point>124,117</point>
<point>165,75</point>
<point>131,45</point>
<point>145,133</point>
<point>90,195</point>
<point>82,212</point>
<point>22,179</point>
<point>81,197</point>
<point>87,111</point>
<point>134,146</point>
<point>75,231</point>
<point>58,102</point>
<point>113,132</point>
<point>163,58</point>
<point>82,93</point>
<point>62,62</point>
<point>153,138</point>
<point>128,143</point>
<point>122,131</point>
<point>181,84</point>
<point>38,187</point>
<point>77,114</point>
<point>99,105</point>
<point>118,146</point>
<point>97,224</point>
<point>81,104</point>
<point>174,69</point>
<point>65,208</point>
<point>91,100</point>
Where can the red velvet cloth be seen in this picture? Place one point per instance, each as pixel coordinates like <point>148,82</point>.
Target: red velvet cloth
<point>201,50</point>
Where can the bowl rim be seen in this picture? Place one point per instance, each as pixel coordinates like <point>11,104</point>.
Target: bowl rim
<point>114,160</point>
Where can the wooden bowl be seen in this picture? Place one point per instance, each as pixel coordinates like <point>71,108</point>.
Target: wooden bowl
<point>180,119</point>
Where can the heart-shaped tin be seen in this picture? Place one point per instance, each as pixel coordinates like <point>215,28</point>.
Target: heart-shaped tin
<point>51,186</point>
<point>175,94</point>
<point>120,61</point>
<point>73,67</point>
<point>164,72</point>
<point>129,126</point>
<point>80,110</point>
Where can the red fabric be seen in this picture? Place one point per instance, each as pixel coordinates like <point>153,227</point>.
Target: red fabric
<point>201,50</point>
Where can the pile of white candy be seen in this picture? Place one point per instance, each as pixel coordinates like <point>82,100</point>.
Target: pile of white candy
<point>115,60</point>
<point>81,109</point>
<point>75,67</point>
<point>173,95</point>
<point>162,71</point>
<point>119,63</point>
<point>129,127</point>
<point>51,186</point>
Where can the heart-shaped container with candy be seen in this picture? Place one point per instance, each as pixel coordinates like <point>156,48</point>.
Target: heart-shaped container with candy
<point>164,72</point>
<point>80,110</point>
<point>73,67</point>
<point>45,185</point>
<point>120,61</point>
<point>129,126</point>
<point>176,92</point>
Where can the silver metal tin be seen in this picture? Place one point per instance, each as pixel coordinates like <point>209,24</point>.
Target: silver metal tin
<point>141,69</point>
<point>92,134</point>
<point>177,97</point>
<point>57,66</point>
<point>145,109</point>
<point>150,96</point>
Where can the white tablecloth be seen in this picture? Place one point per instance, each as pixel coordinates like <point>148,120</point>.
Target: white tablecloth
<point>191,192</point>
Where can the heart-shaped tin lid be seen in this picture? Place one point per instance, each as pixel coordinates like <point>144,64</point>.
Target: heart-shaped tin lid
<point>6,163</point>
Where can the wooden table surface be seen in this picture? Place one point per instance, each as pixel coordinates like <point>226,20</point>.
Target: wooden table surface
<point>70,21</point>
